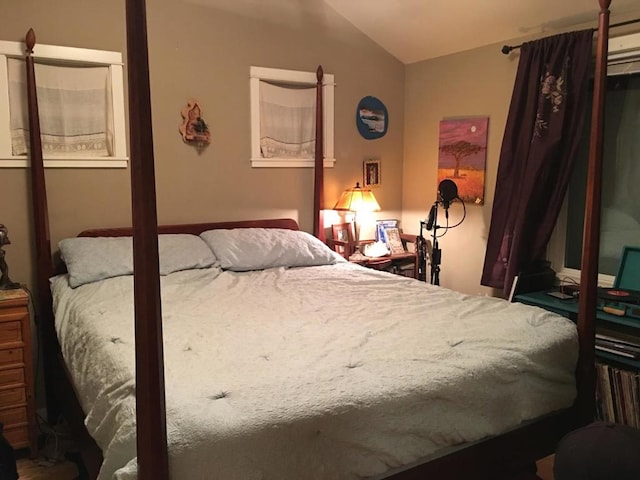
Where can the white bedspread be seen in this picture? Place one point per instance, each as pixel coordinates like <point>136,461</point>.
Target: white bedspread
<point>320,372</point>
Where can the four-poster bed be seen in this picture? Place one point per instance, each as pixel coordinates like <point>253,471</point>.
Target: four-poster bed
<point>498,456</point>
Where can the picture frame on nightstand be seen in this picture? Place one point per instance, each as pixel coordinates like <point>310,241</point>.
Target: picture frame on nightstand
<point>381,226</point>
<point>344,235</point>
<point>394,241</point>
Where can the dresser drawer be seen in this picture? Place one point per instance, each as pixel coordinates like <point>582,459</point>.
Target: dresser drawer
<point>18,437</point>
<point>10,332</point>
<point>12,396</point>
<point>11,376</point>
<point>11,357</point>
<point>13,416</point>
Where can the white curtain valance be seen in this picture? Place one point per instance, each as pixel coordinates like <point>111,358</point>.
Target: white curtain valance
<point>74,105</point>
<point>287,121</point>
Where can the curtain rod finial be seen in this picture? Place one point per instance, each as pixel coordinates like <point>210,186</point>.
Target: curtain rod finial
<point>30,40</point>
<point>506,49</point>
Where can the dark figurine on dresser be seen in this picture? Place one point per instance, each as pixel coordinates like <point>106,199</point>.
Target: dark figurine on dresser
<point>5,281</point>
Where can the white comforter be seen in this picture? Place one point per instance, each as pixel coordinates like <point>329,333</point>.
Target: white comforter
<point>319,372</point>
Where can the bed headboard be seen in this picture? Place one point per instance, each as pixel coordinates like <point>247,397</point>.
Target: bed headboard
<point>196,228</point>
<point>192,228</point>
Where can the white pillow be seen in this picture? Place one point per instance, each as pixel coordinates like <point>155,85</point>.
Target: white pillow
<point>182,251</point>
<point>89,259</point>
<point>243,249</point>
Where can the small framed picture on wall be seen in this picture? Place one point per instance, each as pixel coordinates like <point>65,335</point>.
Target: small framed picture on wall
<point>371,172</point>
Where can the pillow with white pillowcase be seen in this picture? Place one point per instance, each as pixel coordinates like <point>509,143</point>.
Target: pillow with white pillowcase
<point>244,249</point>
<point>89,259</point>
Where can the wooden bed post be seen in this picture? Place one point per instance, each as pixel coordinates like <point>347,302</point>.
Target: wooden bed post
<point>44,262</point>
<point>150,395</point>
<point>586,374</point>
<point>318,187</point>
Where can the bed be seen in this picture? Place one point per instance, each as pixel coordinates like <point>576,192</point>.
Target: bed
<point>480,446</point>
<point>368,373</point>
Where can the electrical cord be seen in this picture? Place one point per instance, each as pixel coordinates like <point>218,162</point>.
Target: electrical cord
<point>447,226</point>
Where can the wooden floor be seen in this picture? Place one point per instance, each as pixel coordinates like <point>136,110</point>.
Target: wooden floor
<point>545,468</point>
<point>30,470</point>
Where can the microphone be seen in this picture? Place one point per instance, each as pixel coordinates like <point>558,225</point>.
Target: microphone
<point>432,217</point>
<point>448,191</point>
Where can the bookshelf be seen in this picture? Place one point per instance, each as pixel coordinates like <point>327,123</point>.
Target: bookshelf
<point>617,357</point>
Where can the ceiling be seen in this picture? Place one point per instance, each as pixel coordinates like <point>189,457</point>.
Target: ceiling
<point>415,30</point>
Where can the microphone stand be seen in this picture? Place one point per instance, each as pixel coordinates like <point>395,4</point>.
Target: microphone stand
<point>421,247</point>
<point>447,193</point>
<point>436,253</point>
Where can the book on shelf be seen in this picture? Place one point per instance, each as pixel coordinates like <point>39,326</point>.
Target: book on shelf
<point>618,395</point>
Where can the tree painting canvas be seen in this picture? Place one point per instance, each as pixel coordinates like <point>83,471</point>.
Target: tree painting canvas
<point>462,156</point>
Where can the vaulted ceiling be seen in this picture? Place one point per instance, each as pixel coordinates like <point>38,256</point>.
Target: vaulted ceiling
<point>415,30</point>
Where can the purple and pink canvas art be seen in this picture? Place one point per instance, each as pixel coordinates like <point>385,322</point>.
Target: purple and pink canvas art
<point>462,156</point>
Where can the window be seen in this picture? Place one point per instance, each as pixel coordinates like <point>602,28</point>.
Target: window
<point>293,91</point>
<point>620,207</point>
<point>103,145</point>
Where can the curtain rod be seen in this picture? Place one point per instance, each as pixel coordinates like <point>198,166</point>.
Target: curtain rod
<point>506,49</point>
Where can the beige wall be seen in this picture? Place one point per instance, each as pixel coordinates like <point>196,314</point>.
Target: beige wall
<point>474,83</point>
<point>206,53</point>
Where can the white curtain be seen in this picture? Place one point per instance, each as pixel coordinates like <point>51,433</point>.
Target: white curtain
<point>74,105</point>
<point>287,121</point>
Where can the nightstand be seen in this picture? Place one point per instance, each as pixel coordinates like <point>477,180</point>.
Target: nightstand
<point>17,402</point>
<point>404,264</point>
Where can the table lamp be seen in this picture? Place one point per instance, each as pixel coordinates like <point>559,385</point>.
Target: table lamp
<point>357,200</point>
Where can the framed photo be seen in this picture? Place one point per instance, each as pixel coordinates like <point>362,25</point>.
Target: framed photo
<point>394,242</point>
<point>381,226</point>
<point>371,173</point>
<point>343,238</point>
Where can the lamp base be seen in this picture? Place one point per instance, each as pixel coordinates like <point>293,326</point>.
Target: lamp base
<point>357,256</point>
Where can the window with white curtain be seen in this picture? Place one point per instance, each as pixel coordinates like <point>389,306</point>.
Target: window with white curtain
<point>287,121</point>
<point>620,206</point>
<point>80,102</point>
<point>283,105</point>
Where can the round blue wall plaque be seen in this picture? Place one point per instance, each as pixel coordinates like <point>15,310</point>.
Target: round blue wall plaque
<point>372,118</point>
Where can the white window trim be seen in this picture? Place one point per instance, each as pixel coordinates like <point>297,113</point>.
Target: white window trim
<point>292,77</point>
<point>620,48</point>
<point>65,56</point>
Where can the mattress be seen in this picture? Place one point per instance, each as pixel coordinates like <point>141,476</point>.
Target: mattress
<point>332,372</point>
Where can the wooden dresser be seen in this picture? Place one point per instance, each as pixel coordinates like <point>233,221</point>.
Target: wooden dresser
<point>17,407</point>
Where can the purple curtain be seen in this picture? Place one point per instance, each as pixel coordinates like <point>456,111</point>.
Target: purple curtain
<point>539,148</point>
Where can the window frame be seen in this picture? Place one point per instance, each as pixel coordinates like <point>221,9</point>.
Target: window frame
<point>621,49</point>
<point>257,74</point>
<point>58,55</point>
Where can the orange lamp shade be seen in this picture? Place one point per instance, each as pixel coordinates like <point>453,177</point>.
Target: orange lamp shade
<point>357,199</point>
